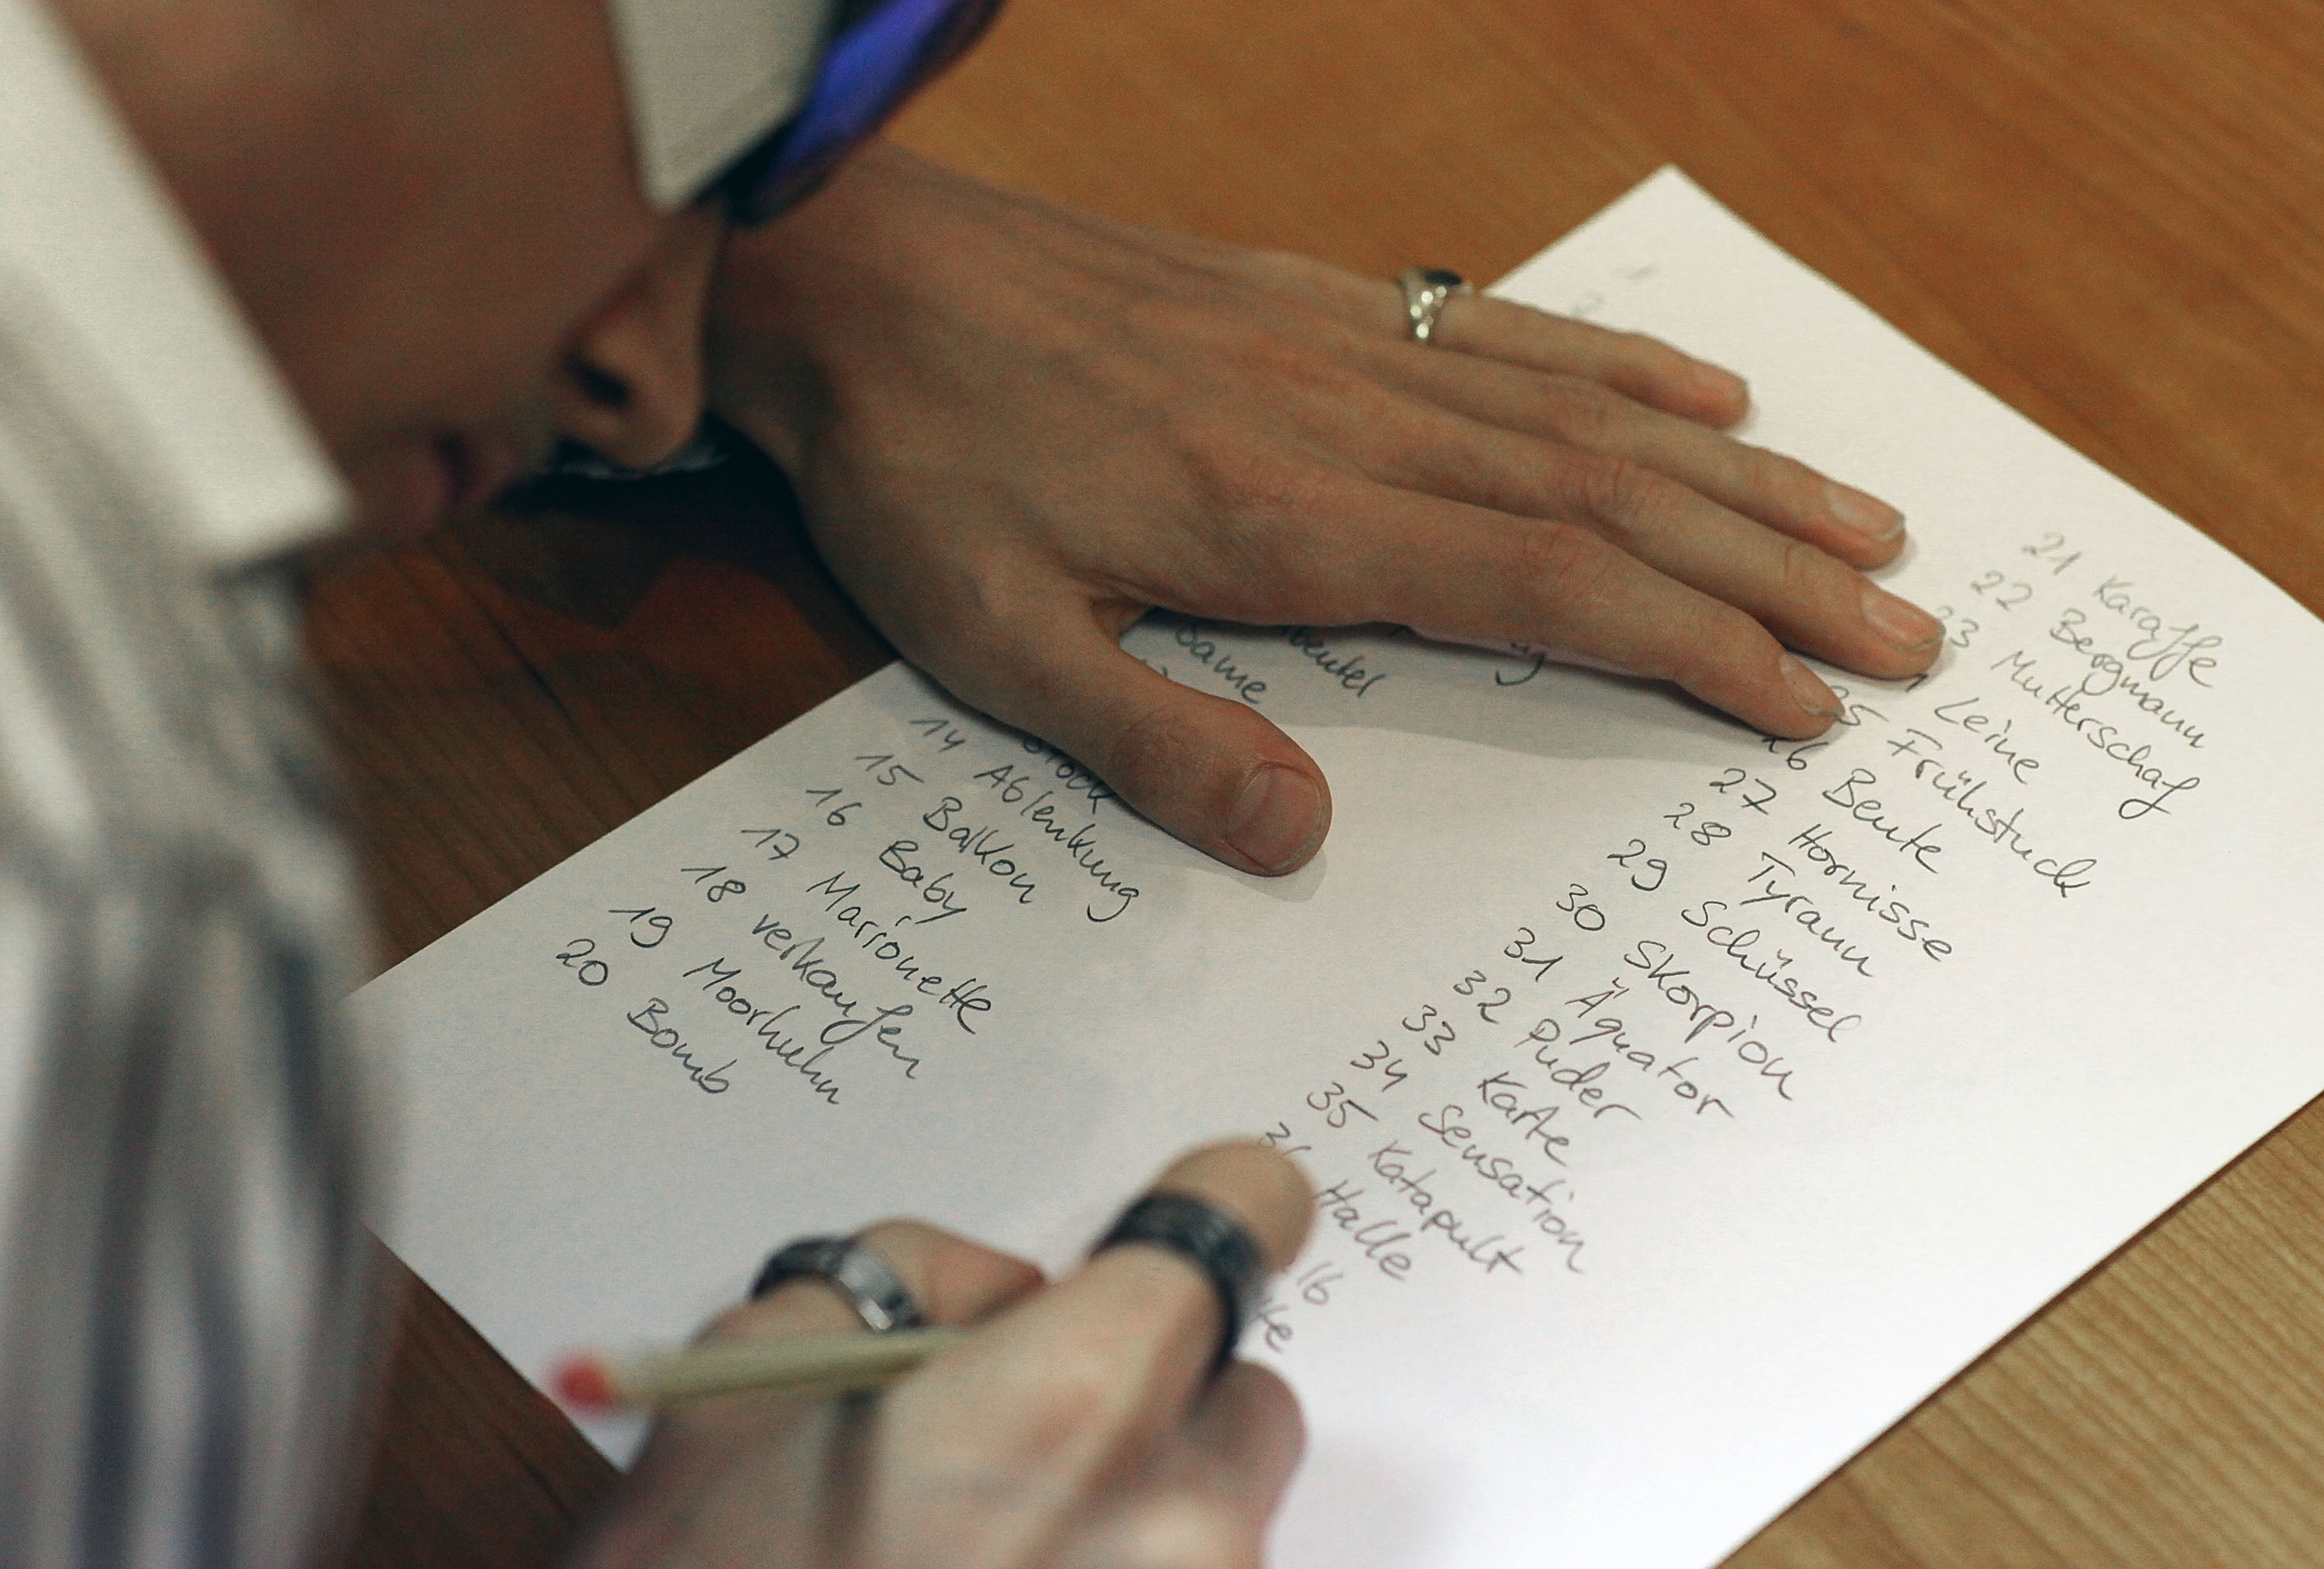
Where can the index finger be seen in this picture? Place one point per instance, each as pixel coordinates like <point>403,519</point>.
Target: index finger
<point>1073,1387</point>
<point>1150,1314</point>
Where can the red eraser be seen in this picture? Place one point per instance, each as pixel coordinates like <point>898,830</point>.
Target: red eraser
<point>583,1382</point>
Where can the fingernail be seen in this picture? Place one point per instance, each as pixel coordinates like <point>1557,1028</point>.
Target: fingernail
<point>1859,513</point>
<point>1902,625</point>
<point>1277,817</point>
<point>1807,691</point>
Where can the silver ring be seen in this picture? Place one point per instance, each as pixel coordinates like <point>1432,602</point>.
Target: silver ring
<point>1425,290</point>
<point>875,1290</point>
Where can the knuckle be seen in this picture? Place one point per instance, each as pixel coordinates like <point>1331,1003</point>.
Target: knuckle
<point>1581,411</point>
<point>1620,494</point>
<point>994,604</point>
<point>1408,449</point>
<point>1237,479</point>
<point>1080,1394</point>
<point>1150,750</point>
<point>1290,364</point>
<point>1563,562</point>
<point>1788,488</point>
<point>1723,640</point>
<point>1268,556</point>
<point>1807,577</point>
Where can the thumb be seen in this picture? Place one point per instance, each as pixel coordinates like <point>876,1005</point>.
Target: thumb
<point>1210,772</point>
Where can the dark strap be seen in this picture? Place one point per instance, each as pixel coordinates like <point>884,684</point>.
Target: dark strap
<point>1208,1238</point>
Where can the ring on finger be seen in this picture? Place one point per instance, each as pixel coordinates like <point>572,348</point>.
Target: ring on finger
<point>870,1286</point>
<point>1425,290</point>
<point>1210,1239</point>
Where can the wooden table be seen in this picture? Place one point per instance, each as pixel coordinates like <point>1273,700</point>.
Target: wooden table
<point>2109,212</point>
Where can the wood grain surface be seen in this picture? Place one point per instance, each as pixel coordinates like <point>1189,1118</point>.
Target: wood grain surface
<point>2109,212</point>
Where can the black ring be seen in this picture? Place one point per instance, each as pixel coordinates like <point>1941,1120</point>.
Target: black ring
<point>879,1296</point>
<point>1206,1237</point>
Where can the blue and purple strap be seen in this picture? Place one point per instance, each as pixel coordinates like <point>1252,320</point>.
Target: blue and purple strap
<point>867,71</point>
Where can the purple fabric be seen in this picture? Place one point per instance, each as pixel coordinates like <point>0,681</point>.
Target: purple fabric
<point>866,75</point>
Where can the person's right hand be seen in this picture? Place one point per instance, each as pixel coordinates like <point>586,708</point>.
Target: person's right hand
<point>1078,1427</point>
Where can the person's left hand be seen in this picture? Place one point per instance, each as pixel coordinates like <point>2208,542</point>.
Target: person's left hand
<point>1015,427</point>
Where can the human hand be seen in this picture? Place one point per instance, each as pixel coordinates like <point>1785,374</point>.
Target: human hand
<point>1076,1427</point>
<point>1016,426</point>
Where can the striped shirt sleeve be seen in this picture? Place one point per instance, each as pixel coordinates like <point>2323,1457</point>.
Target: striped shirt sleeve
<point>184,1306</point>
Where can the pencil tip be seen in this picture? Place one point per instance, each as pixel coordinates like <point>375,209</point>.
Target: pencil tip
<point>582,1382</point>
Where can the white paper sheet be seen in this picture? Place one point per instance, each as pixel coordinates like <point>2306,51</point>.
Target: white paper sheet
<point>1779,1168</point>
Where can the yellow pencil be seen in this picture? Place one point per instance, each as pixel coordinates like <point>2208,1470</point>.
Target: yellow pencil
<point>607,1380</point>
